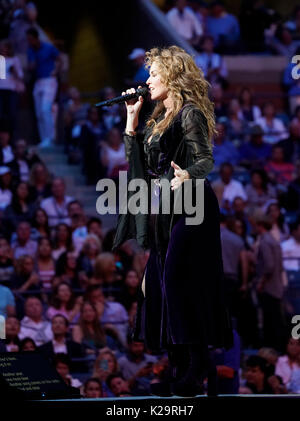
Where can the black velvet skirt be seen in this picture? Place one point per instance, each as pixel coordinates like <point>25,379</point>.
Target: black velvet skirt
<point>183,300</point>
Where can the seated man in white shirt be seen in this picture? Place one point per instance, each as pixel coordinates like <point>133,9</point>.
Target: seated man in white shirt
<point>56,206</point>
<point>60,344</point>
<point>185,22</point>
<point>291,248</point>
<point>33,325</point>
<point>226,188</point>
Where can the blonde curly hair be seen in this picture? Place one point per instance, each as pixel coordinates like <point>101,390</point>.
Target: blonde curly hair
<point>186,83</point>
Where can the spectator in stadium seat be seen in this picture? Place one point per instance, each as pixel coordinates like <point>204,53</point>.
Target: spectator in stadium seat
<point>67,270</point>
<point>6,262</point>
<point>56,206</point>
<point>91,248</point>
<point>211,63</point>
<point>23,243</point>
<point>137,56</point>
<point>25,277</point>
<point>40,224</point>
<point>40,186</point>
<point>273,128</point>
<point>6,152</point>
<point>23,161</point>
<point>12,330</point>
<point>33,325</point>
<point>62,345</point>
<point>93,389</point>
<point>62,240</point>
<point>280,171</point>
<point>248,110</point>
<point>78,224</point>
<point>226,188</point>
<point>290,361</point>
<point>89,331</point>
<point>63,302</point>
<point>5,187</point>
<point>223,27</point>
<point>185,23</point>
<point>129,294</point>
<point>291,248</point>
<point>224,150</point>
<point>45,265</point>
<point>291,145</point>
<point>7,302</point>
<point>113,157</point>
<point>255,152</point>
<point>136,364</point>
<point>109,312</point>
<point>259,191</point>
<point>27,345</point>
<point>20,209</point>
<point>62,365</point>
<point>217,94</point>
<point>105,365</point>
<point>94,226</point>
<point>279,230</point>
<point>279,39</point>
<point>119,386</point>
<point>257,376</point>
<point>292,198</point>
<point>237,126</point>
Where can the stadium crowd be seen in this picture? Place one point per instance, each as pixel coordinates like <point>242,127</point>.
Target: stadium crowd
<point>65,294</point>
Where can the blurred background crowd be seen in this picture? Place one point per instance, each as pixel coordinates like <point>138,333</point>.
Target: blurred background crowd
<point>63,292</point>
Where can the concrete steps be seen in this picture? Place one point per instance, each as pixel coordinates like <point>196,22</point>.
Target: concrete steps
<point>57,163</point>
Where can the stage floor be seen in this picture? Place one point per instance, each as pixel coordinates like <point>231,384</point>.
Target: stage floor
<point>143,407</point>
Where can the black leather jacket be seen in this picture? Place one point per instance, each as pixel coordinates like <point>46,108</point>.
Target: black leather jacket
<point>186,143</point>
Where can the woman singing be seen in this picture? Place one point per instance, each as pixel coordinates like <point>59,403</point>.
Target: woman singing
<point>181,306</point>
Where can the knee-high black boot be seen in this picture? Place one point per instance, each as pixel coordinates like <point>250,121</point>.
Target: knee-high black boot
<point>200,366</point>
<point>178,363</point>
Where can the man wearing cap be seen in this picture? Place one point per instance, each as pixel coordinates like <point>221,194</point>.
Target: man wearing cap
<point>138,57</point>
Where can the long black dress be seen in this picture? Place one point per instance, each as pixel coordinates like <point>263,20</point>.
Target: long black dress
<point>184,292</point>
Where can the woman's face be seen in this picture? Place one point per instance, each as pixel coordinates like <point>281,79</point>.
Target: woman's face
<point>45,248</point>
<point>40,173</point>
<point>293,348</point>
<point>41,218</point>
<point>71,261</point>
<point>274,212</point>
<point>157,89</point>
<point>132,279</point>
<point>88,313</point>
<point>64,293</point>
<point>238,227</point>
<point>22,191</point>
<point>110,362</point>
<point>256,180</point>
<point>93,390</point>
<point>62,233</point>
<point>28,265</point>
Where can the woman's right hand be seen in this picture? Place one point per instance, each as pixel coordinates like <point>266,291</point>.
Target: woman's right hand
<point>133,107</point>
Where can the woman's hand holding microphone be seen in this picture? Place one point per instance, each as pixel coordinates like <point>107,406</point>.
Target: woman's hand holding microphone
<point>133,107</point>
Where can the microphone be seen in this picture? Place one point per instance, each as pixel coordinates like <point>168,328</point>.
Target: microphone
<point>123,98</point>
